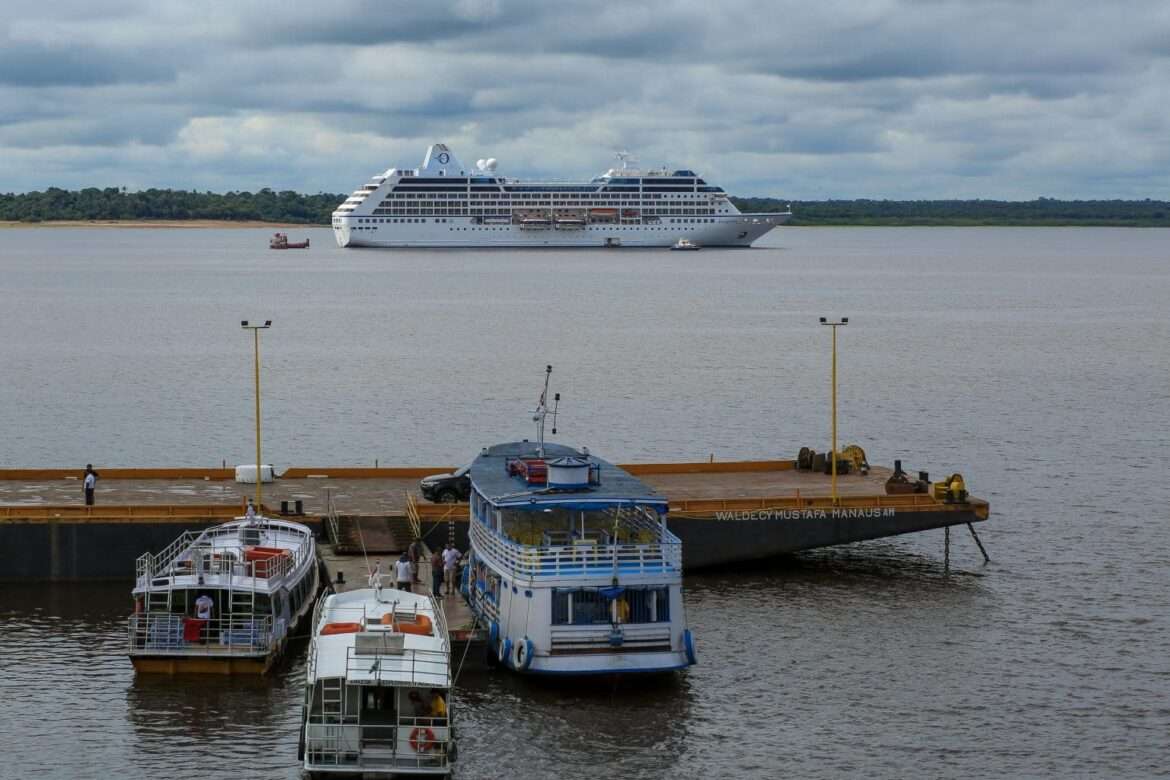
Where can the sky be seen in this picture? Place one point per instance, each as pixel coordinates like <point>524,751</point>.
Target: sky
<point>904,99</point>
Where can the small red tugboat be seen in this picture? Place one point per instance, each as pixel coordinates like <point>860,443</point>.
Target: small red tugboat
<point>280,241</point>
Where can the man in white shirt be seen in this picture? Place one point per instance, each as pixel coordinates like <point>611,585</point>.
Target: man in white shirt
<point>451,558</point>
<point>90,483</point>
<point>403,573</point>
<point>203,607</point>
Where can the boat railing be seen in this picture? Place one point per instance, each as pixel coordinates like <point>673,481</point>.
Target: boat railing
<point>415,665</point>
<point>169,633</point>
<point>402,744</point>
<point>197,553</point>
<point>148,565</point>
<point>580,556</point>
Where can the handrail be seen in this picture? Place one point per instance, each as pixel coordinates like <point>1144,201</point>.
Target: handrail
<point>412,516</point>
<point>588,559</point>
<point>170,633</point>
<point>179,557</point>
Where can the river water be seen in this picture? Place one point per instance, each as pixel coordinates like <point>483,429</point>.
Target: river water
<point>1033,360</point>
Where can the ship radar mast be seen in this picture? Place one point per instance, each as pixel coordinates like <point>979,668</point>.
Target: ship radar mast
<point>626,159</point>
<point>542,412</point>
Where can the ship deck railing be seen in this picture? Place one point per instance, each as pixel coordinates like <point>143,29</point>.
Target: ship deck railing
<point>187,556</point>
<point>180,635</point>
<point>348,743</point>
<point>580,557</point>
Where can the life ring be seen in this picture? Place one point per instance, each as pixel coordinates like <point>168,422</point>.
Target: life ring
<point>689,647</point>
<point>505,654</point>
<point>422,739</point>
<point>524,650</point>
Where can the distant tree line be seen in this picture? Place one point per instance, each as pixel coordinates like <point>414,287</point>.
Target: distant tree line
<point>266,205</point>
<point>1043,211</point>
<point>113,203</point>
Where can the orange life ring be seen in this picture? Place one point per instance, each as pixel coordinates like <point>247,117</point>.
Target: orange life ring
<point>422,739</point>
<point>341,628</point>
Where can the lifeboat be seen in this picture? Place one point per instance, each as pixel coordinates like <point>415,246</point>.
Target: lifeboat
<point>340,628</point>
<point>420,625</point>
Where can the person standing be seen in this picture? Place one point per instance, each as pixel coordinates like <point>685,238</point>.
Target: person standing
<point>451,558</point>
<point>415,553</point>
<point>403,573</point>
<point>89,483</point>
<point>437,573</point>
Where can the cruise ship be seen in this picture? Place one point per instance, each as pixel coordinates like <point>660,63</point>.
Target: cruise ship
<point>445,203</point>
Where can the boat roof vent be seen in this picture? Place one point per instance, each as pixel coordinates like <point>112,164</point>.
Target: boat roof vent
<point>379,643</point>
<point>568,473</point>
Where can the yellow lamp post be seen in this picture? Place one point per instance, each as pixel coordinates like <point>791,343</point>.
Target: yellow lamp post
<point>833,453</point>
<point>256,351</point>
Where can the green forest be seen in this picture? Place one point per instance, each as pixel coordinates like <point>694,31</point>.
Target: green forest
<point>291,207</point>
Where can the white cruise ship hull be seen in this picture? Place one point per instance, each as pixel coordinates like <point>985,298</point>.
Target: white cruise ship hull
<point>444,203</point>
<point>740,230</point>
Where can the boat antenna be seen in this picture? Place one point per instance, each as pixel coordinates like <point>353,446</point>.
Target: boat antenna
<point>542,413</point>
<point>626,159</point>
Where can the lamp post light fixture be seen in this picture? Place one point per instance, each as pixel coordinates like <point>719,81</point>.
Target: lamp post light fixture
<point>833,453</point>
<point>256,328</point>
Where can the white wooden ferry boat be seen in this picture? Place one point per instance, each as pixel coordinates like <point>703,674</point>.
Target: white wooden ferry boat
<point>223,600</point>
<point>572,567</point>
<point>378,686</point>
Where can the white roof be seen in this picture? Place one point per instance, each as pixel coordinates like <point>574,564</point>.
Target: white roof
<point>424,662</point>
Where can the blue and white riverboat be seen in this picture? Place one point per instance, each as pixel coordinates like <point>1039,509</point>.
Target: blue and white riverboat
<point>572,567</point>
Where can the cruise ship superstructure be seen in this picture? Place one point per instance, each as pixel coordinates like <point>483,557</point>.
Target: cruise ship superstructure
<point>445,203</point>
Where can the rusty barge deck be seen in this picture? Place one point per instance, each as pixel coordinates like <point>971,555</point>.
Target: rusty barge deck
<point>724,512</point>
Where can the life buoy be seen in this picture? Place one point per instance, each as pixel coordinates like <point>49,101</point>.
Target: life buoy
<point>689,647</point>
<point>422,739</point>
<point>505,654</point>
<point>524,649</point>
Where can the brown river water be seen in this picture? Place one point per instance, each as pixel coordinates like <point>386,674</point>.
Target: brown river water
<point>1035,361</point>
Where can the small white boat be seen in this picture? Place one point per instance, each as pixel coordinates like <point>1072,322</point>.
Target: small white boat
<point>685,244</point>
<point>378,686</point>
<point>223,600</point>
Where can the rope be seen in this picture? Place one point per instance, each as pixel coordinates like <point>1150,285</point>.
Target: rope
<point>466,647</point>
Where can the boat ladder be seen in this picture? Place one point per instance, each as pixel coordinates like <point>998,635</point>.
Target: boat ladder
<point>158,600</point>
<point>243,602</point>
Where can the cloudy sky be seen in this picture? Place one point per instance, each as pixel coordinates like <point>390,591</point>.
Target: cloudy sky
<point>803,100</point>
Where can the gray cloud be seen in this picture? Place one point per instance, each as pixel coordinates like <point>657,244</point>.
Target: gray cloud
<point>897,98</point>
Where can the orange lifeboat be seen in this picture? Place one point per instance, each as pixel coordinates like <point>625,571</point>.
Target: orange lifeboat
<point>420,625</point>
<point>341,628</point>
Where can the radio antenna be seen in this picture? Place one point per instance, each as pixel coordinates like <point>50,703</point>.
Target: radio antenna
<point>542,412</point>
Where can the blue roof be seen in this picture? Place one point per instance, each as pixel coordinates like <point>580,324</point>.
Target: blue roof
<point>490,478</point>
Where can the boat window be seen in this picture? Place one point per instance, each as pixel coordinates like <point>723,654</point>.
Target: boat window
<point>590,606</point>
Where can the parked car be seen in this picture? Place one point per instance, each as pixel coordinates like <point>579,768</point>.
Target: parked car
<point>447,488</point>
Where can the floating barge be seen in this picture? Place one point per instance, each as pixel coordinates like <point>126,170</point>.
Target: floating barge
<point>724,512</point>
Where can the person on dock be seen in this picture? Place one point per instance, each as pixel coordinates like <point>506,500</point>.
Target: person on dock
<point>415,553</point>
<point>89,483</point>
<point>404,573</point>
<point>451,558</point>
<point>437,573</point>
